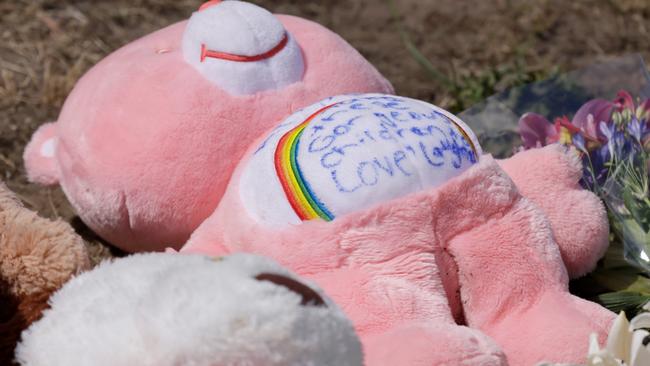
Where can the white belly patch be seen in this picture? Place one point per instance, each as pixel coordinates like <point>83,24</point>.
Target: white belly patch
<point>348,153</point>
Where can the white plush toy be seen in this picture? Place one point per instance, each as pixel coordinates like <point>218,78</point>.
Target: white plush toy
<point>166,309</point>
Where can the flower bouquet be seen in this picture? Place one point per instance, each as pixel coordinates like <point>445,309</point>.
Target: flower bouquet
<point>613,141</point>
<point>612,138</point>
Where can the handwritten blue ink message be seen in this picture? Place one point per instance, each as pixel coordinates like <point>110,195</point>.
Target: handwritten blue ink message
<point>356,151</point>
<point>366,140</point>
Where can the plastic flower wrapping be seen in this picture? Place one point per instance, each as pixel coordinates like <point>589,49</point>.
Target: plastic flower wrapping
<point>602,113</point>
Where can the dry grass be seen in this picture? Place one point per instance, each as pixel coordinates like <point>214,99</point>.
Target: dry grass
<point>481,46</point>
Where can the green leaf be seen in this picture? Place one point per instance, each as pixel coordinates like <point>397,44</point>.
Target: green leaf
<point>628,301</point>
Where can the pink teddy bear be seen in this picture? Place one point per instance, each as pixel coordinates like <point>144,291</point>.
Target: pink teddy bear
<point>148,138</point>
<point>439,254</point>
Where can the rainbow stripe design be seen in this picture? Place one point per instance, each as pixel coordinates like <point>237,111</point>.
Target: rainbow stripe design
<point>300,196</point>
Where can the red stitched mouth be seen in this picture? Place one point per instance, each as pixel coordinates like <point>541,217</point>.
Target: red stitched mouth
<point>209,4</point>
<point>205,53</point>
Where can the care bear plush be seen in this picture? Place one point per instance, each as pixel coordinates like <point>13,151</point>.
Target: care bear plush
<point>163,310</point>
<point>389,204</point>
<point>147,140</point>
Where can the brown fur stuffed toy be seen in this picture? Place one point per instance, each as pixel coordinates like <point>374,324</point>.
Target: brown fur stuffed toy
<point>37,256</point>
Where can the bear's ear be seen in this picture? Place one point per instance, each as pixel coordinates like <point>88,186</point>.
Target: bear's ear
<point>309,297</point>
<point>40,155</point>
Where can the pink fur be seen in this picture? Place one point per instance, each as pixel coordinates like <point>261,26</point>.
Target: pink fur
<point>392,269</point>
<point>549,177</point>
<point>147,145</point>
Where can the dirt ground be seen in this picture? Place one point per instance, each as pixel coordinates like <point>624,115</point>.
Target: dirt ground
<point>481,46</point>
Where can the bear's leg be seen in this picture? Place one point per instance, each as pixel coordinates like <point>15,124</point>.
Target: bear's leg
<point>418,344</point>
<point>405,323</point>
<point>514,288</point>
<point>549,177</point>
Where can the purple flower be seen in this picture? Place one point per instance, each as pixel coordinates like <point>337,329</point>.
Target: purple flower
<point>597,160</point>
<point>591,114</point>
<point>624,101</point>
<point>606,130</point>
<point>620,143</point>
<point>602,155</point>
<point>634,129</point>
<point>579,142</point>
<point>535,130</point>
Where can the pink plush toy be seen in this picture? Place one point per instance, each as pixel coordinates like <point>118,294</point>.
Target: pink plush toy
<point>148,138</point>
<point>389,205</point>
